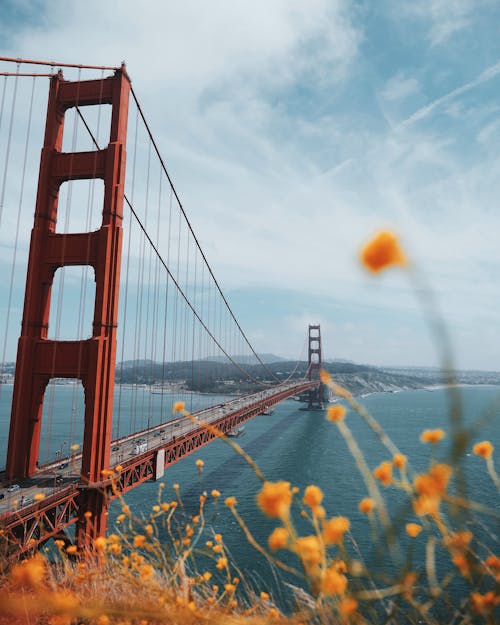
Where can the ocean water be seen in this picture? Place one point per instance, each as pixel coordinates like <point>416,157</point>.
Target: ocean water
<point>303,448</point>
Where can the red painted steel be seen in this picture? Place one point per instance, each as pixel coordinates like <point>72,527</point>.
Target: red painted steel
<point>315,363</point>
<point>33,525</point>
<point>92,361</point>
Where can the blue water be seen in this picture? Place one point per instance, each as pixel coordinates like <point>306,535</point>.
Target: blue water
<point>303,448</point>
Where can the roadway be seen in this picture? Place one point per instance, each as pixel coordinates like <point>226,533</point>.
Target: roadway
<point>55,476</point>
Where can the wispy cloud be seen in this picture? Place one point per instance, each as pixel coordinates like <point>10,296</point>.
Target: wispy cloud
<point>295,130</point>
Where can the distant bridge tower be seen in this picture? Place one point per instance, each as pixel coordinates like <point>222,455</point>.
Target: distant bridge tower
<point>92,361</point>
<point>315,400</point>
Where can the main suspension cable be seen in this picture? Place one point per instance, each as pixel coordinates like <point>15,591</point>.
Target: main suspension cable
<point>139,108</point>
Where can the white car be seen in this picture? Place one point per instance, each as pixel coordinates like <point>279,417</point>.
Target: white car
<point>13,487</point>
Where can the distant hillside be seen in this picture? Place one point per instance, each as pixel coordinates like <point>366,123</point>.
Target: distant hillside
<point>220,377</point>
<point>434,375</point>
<point>361,379</point>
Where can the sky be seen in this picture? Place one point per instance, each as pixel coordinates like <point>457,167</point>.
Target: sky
<point>295,130</point>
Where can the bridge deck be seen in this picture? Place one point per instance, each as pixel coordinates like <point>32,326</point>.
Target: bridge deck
<point>26,523</point>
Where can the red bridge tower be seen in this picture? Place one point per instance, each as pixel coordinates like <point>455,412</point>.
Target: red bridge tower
<point>92,361</point>
<point>315,401</point>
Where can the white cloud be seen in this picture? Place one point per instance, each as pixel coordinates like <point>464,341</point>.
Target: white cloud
<point>445,17</point>
<point>399,87</point>
<point>280,195</point>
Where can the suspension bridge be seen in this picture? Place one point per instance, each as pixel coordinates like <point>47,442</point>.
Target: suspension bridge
<point>108,283</point>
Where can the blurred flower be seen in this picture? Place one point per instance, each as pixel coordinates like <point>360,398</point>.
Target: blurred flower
<point>432,436</point>
<point>413,529</point>
<point>384,472</point>
<point>334,583</point>
<point>381,252</point>
<point>275,499</point>
<point>334,529</point>
<point>366,505</point>
<point>483,449</point>
<point>399,461</point>
<point>335,413</point>
<point>278,538</point>
<point>313,496</point>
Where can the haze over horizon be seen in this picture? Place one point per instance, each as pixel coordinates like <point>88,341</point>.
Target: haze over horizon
<point>293,132</point>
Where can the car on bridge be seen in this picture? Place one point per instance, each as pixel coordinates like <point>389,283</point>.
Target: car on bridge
<point>13,488</point>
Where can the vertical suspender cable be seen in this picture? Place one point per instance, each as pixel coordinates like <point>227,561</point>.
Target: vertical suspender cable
<point>165,319</point>
<point>16,239</point>
<point>148,296</point>
<point>156,300</point>
<point>125,305</point>
<point>9,142</point>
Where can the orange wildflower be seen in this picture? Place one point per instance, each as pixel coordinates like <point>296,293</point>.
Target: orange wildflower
<point>139,540</point>
<point>431,487</point>
<point>348,606</point>
<point>435,482</point>
<point>334,529</point>
<point>493,562</point>
<point>39,496</point>
<point>29,572</point>
<point>425,505</point>
<point>381,252</point>
<point>221,563</point>
<point>458,541</point>
<point>230,502</point>
<point>309,550</point>
<point>413,529</point>
<point>319,512</point>
<point>333,583</point>
<point>399,461</point>
<point>146,571</point>
<point>384,472</point>
<point>179,406</point>
<point>432,436</point>
<point>335,413</point>
<point>483,449</point>
<point>366,505</point>
<point>484,603</point>
<point>275,499</point>
<point>313,496</point>
<point>462,563</point>
<point>199,463</point>
<point>278,539</point>
<point>215,493</point>
<point>264,596</point>
<point>100,544</point>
